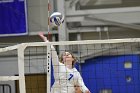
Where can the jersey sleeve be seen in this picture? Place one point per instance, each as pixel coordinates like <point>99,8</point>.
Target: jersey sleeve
<point>81,83</point>
<point>55,59</point>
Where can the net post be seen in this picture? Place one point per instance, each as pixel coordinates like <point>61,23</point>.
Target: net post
<point>22,88</point>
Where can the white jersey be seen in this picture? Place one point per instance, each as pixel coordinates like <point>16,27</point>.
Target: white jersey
<point>65,78</point>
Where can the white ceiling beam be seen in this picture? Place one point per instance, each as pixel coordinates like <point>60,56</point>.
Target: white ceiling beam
<point>132,26</point>
<point>102,11</point>
<point>130,17</point>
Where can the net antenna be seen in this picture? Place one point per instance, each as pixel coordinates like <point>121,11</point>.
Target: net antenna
<point>49,8</point>
<point>48,83</point>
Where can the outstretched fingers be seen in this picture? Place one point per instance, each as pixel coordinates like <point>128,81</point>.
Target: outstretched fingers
<point>43,37</point>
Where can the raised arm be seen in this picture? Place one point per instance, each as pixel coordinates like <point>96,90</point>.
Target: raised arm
<point>55,59</point>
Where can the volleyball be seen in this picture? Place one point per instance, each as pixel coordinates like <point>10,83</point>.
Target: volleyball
<point>56,18</point>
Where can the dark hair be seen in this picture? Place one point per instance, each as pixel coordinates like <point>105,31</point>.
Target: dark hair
<point>73,62</point>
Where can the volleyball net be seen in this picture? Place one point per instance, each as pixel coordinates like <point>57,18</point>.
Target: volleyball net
<point>106,66</point>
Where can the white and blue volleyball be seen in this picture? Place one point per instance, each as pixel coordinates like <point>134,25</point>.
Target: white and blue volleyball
<point>56,19</point>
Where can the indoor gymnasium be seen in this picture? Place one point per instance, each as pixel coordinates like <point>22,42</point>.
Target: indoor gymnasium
<point>69,46</point>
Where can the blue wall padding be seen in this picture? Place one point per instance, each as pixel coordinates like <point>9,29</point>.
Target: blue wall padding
<point>108,72</point>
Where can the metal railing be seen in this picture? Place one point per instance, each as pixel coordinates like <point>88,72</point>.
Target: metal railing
<point>5,88</point>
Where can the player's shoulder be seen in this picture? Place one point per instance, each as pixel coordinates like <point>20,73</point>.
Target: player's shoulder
<point>74,69</point>
<point>61,64</point>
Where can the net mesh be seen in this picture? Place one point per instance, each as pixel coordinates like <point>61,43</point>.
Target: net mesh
<point>106,66</point>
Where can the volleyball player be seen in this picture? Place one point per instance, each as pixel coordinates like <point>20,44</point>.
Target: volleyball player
<point>65,74</point>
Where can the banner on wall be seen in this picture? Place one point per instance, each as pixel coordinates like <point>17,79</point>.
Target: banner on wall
<point>13,17</point>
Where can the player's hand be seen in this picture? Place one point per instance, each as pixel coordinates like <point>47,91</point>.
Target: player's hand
<point>87,91</point>
<point>77,89</point>
<point>41,34</point>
